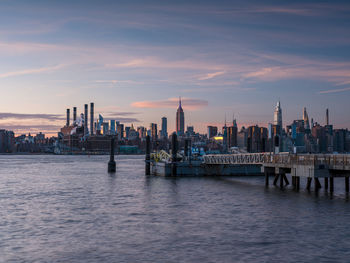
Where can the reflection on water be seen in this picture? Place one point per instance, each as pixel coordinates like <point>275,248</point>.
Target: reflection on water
<point>69,209</point>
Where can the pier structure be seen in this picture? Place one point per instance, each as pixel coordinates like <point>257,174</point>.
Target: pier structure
<point>314,167</point>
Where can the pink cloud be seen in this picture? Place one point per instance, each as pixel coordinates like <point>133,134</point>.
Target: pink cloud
<point>30,71</point>
<point>172,103</point>
<point>334,90</point>
<point>211,75</point>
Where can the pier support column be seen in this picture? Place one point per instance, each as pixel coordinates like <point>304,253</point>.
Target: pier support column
<point>331,184</point>
<point>281,180</point>
<point>276,179</point>
<point>174,154</point>
<point>317,184</point>
<point>111,163</point>
<point>266,177</point>
<point>285,179</point>
<point>294,182</point>
<point>347,184</point>
<point>148,155</point>
<point>297,183</point>
<point>326,183</point>
<point>308,185</point>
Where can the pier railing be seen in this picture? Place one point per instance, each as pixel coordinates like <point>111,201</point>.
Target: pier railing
<point>330,160</point>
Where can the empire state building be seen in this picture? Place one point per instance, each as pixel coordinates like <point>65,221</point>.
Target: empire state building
<point>180,120</point>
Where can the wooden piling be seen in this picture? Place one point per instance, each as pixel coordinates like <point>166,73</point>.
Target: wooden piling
<point>347,184</point>
<point>297,183</point>
<point>148,155</point>
<point>317,184</point>
<point>276,179</point>
<point>326,183</point>
<point>111,163</point>
<point>266,177</point>
<point>281,180</point>
<point>331,184</point>
<point>285,179</point>
<point>308,185</point>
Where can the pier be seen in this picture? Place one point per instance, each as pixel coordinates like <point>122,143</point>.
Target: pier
<point>314,167</point>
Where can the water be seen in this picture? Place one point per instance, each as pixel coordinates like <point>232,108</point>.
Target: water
<point>68,209</point>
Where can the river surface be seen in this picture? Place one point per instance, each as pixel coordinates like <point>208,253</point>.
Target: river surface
<point>69,209</point>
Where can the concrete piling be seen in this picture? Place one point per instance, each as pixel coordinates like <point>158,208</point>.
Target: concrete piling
<point>111,163</point>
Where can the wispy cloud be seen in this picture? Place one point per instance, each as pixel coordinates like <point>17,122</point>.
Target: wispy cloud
<point>26,116</point>
<point>30,71</point>
<point>171,103</point>
<point>211,75</point>
<point>334,90</point>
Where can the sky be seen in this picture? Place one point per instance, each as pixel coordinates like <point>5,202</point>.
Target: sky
<point>134,59</point>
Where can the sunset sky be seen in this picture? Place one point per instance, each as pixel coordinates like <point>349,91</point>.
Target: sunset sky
<point>135,58</point>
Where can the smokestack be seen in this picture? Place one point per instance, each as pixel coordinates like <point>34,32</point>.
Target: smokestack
<point>91,118</point>
<point>74,114</point>
<point>68,116</point>
<point>86,130</point>
<point>327,117</point>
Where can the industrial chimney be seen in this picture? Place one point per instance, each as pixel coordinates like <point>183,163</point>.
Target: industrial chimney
<point>68,116</point>
<point>86,130</point>
<point>327,117</point>
<point>91,118</point>
<point>74,114</point>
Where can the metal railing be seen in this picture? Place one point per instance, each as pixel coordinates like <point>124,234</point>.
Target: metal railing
<point>331,160</point>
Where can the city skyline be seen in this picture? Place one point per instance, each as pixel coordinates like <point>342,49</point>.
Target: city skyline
<point>135,60</point>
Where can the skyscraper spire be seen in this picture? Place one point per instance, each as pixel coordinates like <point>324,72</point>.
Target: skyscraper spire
<point>180,120</point>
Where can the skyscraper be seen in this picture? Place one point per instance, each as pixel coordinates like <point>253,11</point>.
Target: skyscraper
<point>180,120</point>
<point>154,133</point>
<point>306,120</point>
<point>277,117</point>
<point>164,128</point>
<point>112,127</point>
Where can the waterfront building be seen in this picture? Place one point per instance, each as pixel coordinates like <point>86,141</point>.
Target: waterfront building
<point>105,128</point>
<point>127,131</point>
<point>340,140</point>
<point>112,127</point>
<point>7,141</point>
<point>120,131</point>
<point>257,138</point>
<point>142,131</point>
<point>154,133</point>
<point>164,132</point>
<point>232,136</point>
<point>180,120</point>
<point>212,131</point>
